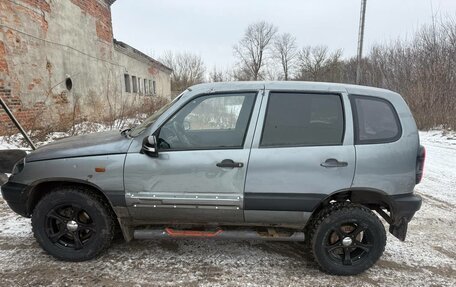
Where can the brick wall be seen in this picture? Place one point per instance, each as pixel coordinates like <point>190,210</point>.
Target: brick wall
<point>36,61</point>
<point>26,116</point>
<point>100,11</point>
<point>43,5</point>
<point>3,63</point>
<point>25,78</point>
<point>6,126</point>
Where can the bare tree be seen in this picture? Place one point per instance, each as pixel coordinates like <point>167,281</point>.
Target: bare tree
<point>219,75</point>
<point>253,48</point>
<point>285,51</point>
<point>188,69</point>
<point>317,64</point>
<point>423,72</point>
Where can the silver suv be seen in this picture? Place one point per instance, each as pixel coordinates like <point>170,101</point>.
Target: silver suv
<point>284,161</point>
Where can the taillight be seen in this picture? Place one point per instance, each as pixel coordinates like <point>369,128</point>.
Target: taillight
<point>420,163</point>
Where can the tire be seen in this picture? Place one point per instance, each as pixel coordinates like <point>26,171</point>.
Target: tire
<point>73,224</point>
<point>347,239</point>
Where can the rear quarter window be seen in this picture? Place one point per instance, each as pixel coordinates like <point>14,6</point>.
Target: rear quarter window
<point>375,119</point>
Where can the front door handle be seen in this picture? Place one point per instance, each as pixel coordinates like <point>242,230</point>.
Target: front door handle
<point>332,162</point>
<point>230,163</point>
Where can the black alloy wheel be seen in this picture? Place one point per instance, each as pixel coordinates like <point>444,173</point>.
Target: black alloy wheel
<point>348,243</point>
<point>69,226</point>
<point>73,223</point>
<point>347,239</point>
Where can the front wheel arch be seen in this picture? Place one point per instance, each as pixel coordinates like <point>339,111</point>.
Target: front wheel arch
<point>39,189</point>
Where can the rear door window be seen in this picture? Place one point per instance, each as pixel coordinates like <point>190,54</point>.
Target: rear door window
<point>298,119</point>
<point>376,120</point>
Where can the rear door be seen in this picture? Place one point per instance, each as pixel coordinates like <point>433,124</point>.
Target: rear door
<point>302,151</point>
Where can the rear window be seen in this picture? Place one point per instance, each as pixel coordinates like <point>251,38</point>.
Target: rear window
<point>376,120</point>
<point>296,119</point>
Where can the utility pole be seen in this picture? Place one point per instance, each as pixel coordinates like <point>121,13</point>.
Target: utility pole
<point>360,40</point>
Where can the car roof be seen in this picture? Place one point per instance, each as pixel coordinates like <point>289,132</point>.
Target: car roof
<point>292,86</point>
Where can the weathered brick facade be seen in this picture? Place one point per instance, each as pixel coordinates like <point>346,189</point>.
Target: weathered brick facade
<point>59,57</point>
<point>102,13</point>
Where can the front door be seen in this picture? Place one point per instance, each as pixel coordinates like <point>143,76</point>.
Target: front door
<point>200,172</point>
<point>303,151</point>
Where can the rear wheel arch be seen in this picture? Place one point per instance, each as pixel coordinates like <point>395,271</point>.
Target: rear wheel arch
<point>373,199</point>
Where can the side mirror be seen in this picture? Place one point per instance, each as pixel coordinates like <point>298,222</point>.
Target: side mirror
<point>149,146</point>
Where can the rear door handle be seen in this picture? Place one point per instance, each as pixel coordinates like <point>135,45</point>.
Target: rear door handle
<point>229,163</point>
<point>332,162</point>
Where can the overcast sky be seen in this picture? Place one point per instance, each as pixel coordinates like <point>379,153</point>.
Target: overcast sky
<point>210,28</point>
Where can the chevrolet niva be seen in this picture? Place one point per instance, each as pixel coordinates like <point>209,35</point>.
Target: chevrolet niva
<point>283,161</point>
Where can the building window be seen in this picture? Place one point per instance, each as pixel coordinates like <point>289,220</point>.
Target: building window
<point>146,90</point>
<point>135,84</point>
<point>154,88</point>
<point>139,85</point>
<point>151,88</point>
<point>127,83</point>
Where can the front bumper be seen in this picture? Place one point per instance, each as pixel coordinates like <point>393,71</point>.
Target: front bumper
<point>404,207</point>
<point>15,194</point>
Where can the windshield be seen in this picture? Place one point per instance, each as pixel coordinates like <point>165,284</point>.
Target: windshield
<point>135,131</point>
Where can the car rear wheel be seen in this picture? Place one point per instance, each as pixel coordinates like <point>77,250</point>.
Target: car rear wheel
<point>347,239</point>
<point>73,224</point>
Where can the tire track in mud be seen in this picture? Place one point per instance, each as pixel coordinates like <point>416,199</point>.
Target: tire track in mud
<point>446,252</point>
<point>446,271</point>
<point>438,202</point>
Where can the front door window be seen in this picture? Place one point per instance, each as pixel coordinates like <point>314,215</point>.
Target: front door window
<point>208,122</point>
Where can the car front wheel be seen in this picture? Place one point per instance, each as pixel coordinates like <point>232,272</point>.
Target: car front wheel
<point>73,224</point>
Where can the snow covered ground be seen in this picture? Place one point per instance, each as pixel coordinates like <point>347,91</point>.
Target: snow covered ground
<point>427,258</point>
<point>16,141</point>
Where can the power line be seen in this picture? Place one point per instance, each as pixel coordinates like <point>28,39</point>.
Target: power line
<point>360,40</point>
<point>61,45</point>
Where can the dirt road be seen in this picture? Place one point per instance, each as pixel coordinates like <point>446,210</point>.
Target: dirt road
<point>427,258</point>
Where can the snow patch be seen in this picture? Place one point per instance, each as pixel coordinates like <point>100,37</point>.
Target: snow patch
<point>13,225</point>
<point>17,141</point>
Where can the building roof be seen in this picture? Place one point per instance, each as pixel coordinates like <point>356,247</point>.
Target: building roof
<point>140,56</point>
<point>110,2</point>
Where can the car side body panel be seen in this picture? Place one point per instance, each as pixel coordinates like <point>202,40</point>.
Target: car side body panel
<point>388,167</point>
<point>108,179</point>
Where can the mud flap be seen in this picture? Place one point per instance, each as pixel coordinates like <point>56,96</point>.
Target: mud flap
<point>399,230</point>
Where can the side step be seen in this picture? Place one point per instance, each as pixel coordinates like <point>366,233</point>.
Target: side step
<point>271,234</point>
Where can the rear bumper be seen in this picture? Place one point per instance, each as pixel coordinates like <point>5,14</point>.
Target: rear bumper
<point>404,207</point>
<point>15,194</point>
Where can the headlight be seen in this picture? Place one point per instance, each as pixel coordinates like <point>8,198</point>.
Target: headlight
<point>18,167</point>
